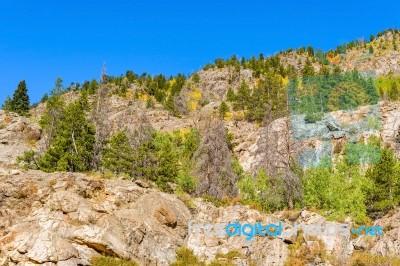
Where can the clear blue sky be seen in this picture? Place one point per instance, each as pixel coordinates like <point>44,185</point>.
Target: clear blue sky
<point>41,40</point>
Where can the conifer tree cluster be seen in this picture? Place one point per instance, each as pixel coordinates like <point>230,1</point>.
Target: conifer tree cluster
<point>71,144</point>
<point>19,103</point>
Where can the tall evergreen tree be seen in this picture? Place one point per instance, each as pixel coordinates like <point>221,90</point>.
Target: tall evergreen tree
<point>72,147</point>
<point>308,69</point>
<point>386,178</point>
<point>20,101</point>
<point>54,111</point>
<point>223,109</point>
<point>242,97</point>
<point>167,161</point>
<point>118,156</point>
<point>230,95</point>
<point>393,92</point>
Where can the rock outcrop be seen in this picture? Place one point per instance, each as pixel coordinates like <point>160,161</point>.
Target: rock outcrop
<point>17,134</point>
<point>66,219</point>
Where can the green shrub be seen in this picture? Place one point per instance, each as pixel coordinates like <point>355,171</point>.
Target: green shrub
<point>324,188</point>
<point>313,117</point>
<point>29,159</point>
<point>186,257</point>
<point>262,191</point>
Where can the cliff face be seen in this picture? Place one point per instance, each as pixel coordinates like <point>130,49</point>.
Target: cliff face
<point>67,218</point>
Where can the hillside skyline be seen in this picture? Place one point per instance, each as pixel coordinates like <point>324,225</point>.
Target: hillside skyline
<point>71,40</point>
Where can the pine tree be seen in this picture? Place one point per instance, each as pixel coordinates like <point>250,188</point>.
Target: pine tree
<point>45,98</point>
<point>223,109</point>
<point>308,69</point>
<point>72,147</point>
<point>167,161</point>
<point>54,111</point>
<point>118,156</point>
<point>230,95</point>
<point>58,87</point>
<point>20,101</point>
<point>8,104</point>
<point>93,87</point>
<point>386,178</point>
<point>242,97</point>
<point>371,50</point>
<point>325,70</point>
<point>393,92</point>
<point>310,51</point>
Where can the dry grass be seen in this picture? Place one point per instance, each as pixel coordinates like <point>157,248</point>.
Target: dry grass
<point>366,259</point>
<point>27,190</point>
<point>109,261</point>
<point>303,253</point>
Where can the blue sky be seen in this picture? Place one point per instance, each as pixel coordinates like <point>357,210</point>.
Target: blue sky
<point>42,40</point>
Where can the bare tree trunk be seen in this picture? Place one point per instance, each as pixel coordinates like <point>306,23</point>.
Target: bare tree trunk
<point>100,121</point>
<point>73,141</point>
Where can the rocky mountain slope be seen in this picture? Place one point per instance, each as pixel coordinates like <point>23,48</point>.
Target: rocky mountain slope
<point>67,218</point>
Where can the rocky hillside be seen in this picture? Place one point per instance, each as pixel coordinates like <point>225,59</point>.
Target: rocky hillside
<point>120,168</point>
<point>66,219</point>
<point>376,58</point>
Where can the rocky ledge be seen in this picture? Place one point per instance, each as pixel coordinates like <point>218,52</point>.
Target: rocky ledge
<point>66,219</point>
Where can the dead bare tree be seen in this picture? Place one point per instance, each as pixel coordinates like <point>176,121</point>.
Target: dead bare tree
<point>213,162</point>
<point>101,123</point>
<point>279,152</point>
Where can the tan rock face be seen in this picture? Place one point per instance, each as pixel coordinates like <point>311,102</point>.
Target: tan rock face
<point>51,219</point>
<point>17,134</point>
<point>389,243</point>
<point>58,220</point>
<point>66,219</point>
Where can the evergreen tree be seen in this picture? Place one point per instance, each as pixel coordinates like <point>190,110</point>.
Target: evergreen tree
<point>242,97</point>
<point>385,176</point>
<point>72,147</point>
<point>167,161</point>
<point>8,104</point>
<point>54,111</point>
<point>230,95</point>
<point>310,51</point>
<point>58,87</point>
<point>170,105</point>
<point>223,109</point>
<point>308,69</point>
<point>118,156</point>
<point>324,70</point>
<point>371,50</point>
<point>371,91</point>
<point>45,98</point>
<point>20,101</point>
<point>93,87</point>
<point>393,92</point>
